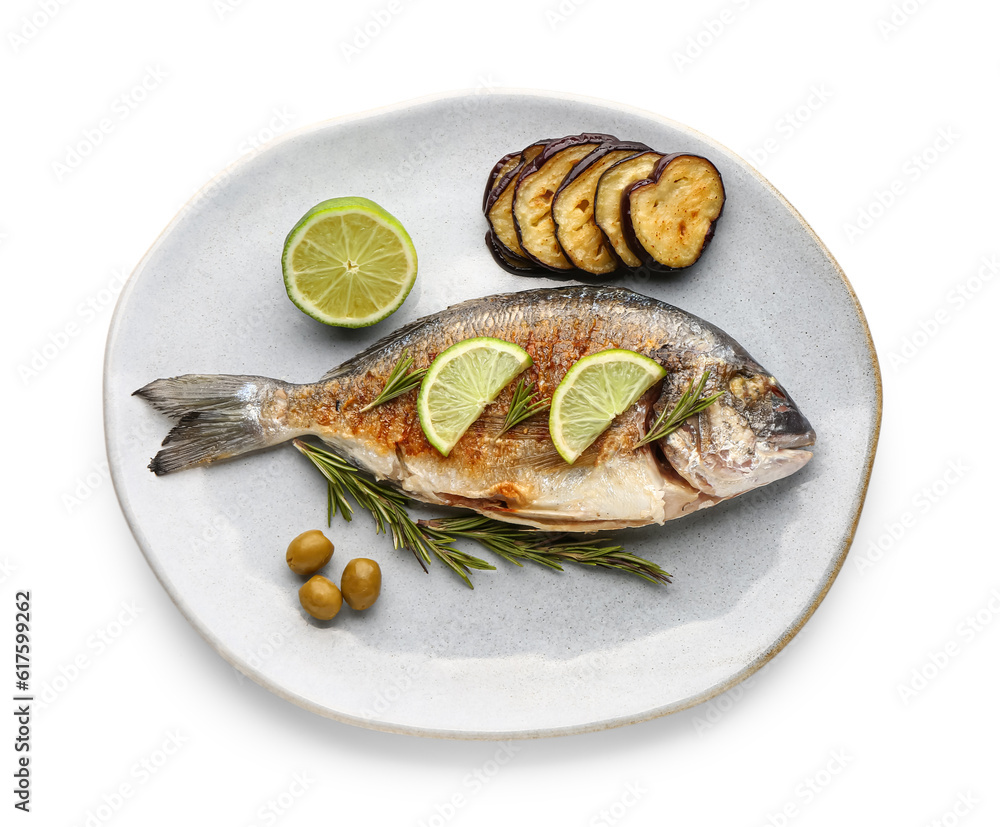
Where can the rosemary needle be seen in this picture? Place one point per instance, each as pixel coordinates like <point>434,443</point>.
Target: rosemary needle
<point>400,380</point>
<point>523,405</point>
<point>690,403</point>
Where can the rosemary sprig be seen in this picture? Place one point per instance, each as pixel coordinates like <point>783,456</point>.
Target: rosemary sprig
<point>690,403</point>
<point>428,538</point>
<point>523,405</point>
<point>401,380</point>
<point>516,543</point>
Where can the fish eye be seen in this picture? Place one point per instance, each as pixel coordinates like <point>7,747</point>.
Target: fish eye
<point>780,397</point>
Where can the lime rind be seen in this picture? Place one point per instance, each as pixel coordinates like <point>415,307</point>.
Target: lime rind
<point>315,275</point>
<point>461,382</point>
<point>593,392</point>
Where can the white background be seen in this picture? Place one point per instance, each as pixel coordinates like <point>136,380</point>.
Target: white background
<point>878,121</point>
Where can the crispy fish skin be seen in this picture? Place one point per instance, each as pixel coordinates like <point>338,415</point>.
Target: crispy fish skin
<point>751,436</point>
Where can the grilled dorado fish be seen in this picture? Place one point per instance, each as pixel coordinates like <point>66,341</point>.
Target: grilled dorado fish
<point>751,436</point>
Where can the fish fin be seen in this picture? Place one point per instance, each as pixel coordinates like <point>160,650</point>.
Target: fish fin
<point>491,424</point>
<point>386,343</point>
<point>409,336</point>
<point>218,417</point>
<point>549,459</point>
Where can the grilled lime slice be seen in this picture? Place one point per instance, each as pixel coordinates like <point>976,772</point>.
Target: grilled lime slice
<point>462,381</point>
<point>593,392</point>
<point>348,263</point>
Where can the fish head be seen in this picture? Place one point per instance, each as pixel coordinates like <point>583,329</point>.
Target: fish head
<point>753,434</point>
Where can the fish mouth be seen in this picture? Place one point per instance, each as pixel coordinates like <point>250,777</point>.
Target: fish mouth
<point>785,426</point>
<point>793,439</point>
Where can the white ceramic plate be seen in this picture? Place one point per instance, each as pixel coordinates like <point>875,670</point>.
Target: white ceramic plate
<point>530,651</point>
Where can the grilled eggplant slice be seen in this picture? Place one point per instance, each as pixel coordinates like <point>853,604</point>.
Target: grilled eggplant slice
<point>500,199</point>
<point>534,190</point>
<point>594,204</point>
<point>608,200</point>
<point>669,218</point>
<point>581,240</point>
<point>501,168</point>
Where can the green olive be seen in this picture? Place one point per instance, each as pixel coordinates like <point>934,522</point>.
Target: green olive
<point>320,597</point>
<point>361,583</point>
<point>309,552</point>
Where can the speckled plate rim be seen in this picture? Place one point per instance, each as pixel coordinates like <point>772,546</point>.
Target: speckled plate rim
<point>281,691</point>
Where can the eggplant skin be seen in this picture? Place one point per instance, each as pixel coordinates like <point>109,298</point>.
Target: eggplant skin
<point>577,233</point>
<point>511,262</point>
<point>500,200</point>
<point>669,218</point>
<point>608,201</point>
<point>535,189</point>
<point>500,168</point>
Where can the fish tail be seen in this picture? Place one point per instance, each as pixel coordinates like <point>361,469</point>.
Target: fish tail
<point>217,417</point>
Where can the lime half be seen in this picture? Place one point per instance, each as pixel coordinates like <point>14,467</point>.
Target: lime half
<point>462,381</point>
<point>593,392</point>
<point>348,262</point>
